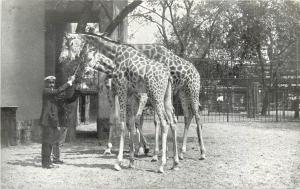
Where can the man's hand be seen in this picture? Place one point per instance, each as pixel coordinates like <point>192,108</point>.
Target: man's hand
<point>71,79</point>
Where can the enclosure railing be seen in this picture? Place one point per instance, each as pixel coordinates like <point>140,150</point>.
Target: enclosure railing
<point>240,100</point>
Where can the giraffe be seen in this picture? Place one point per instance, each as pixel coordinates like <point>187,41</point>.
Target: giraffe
<point>186,83</point>
<point>134,73</point>
<point>135,106</point>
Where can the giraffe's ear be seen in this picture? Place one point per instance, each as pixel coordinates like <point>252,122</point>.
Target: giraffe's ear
<point>66,35</point>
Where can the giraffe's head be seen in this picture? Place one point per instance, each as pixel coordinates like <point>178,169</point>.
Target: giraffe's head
<point>72,45</point>
<point>83,50</point>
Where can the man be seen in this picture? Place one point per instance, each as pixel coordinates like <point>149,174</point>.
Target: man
<point>63,116</point>
<point>49,117</point>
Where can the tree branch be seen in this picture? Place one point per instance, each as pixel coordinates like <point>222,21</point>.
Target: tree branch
<point>118,19</point>
<point>181,43</point>
<point>149,19</point>
<point>154,12</point>
<point>210,34</point>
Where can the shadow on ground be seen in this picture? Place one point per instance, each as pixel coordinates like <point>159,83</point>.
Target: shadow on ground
<point>36,162</point>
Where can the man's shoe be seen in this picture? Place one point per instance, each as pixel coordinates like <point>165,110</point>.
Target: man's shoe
<point>49,166</point>
<point>57,162</point>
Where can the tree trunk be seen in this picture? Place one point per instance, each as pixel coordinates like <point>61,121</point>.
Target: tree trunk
<point>84,17</point>
<point>297,102</point>
<point>87,110</point>
<point>265,100</point>
<point>71,118</point>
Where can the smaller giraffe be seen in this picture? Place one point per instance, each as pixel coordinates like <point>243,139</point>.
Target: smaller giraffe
<point>135,106</point>
<point>186,83</point>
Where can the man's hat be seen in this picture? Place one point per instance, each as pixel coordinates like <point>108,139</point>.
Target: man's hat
<point>50,77</point>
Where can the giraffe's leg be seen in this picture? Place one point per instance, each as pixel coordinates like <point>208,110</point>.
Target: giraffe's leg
<point>130,127</point>
<point>123,103</point>
<point>140,151</point>
<point>164,126</point>
<point>175,147</point>
<point>156,150</point>
<point>195,109</point>
<point>121,147</point>
<point>143,147</point>
<point>141,102</point>
<point>173,114</point>
<point>107,151</point>
<point>170,115</point>
<point>113,120</point>
<point>188,116</point>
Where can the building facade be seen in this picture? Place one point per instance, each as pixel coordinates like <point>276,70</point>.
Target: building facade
<point>30,38</point>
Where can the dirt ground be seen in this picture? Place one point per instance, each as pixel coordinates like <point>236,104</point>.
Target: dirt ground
<point>239,155</point>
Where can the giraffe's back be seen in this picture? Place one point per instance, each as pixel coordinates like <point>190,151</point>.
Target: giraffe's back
<point>141,73</point>
<point>183,72</point>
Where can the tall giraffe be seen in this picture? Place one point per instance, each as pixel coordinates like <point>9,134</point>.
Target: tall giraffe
<point>186,83</point>
<point>134,73</point>
<point>135,104</point>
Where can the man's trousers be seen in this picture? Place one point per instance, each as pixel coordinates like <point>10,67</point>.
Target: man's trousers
<point>56,146</point>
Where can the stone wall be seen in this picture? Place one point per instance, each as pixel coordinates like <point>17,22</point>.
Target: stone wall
<point>28,131</point>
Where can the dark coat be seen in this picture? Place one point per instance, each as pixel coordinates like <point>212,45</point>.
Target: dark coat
<point>49,117</point>
<point>63,110</point>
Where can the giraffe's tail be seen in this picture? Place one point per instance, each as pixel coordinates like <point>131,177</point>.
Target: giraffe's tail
<point>168,103</point>
<point>173,109</point>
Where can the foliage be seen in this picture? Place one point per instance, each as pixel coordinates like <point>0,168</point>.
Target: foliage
<point>263,35</point>
<point>224,29</point>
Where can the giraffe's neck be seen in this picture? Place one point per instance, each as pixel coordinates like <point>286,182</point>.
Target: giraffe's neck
<point>106,47</point>
<point>101,62</point>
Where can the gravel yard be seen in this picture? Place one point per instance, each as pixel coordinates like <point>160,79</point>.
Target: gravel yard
<point>239,155</point>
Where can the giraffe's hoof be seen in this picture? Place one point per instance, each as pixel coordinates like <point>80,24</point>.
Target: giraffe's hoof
<point>175,166</point>
<point>107,152</point>
<point>131,165</point>
<point>181,156</point>
<point>141,151</point>
<point>146,150</point>
<point>154,158</point>
<point>161,169</point>
<point>117,167</point>
<point>202,157</point>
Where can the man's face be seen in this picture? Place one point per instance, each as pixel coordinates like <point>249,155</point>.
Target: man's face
<point>50,83</point>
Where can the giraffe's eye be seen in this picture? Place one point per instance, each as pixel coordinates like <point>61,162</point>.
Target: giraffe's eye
<point>93,49</point>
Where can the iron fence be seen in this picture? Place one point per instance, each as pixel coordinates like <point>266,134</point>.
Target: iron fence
<point>238,100</point>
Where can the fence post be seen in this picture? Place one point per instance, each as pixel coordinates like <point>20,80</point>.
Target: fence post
<point>253,99</point>
<point>228,101</point>
<point>276,101</point>
<point>284,98</point>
